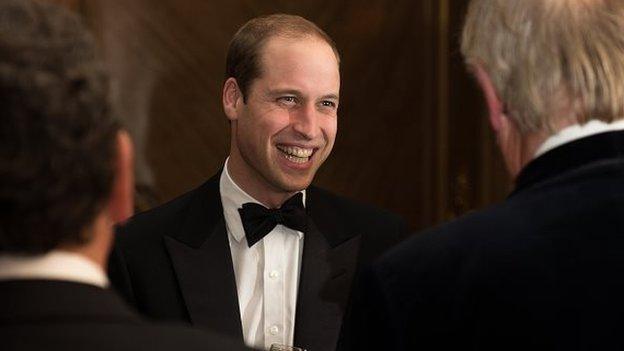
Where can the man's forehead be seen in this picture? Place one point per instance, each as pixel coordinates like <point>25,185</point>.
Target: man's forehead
<point>286,90</point>
<point>278,44</point>
<point>306,67</point>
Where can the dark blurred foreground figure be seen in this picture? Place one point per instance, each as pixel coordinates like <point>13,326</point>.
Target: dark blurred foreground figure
<point>544,270</point>
<point>65,178</point>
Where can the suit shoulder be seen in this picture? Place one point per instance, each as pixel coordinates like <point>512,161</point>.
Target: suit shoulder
<point>173,336</point>
<point>479,233</point>
<point>154,223</point>
<point>117,335</point>
<point>378,229</point>
<point>365,213</point>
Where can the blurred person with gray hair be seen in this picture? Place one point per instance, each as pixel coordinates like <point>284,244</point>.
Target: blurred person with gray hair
<point>545,268</point>
<point>65,178</point>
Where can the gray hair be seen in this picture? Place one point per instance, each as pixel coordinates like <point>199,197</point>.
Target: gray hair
<point>550,59</point>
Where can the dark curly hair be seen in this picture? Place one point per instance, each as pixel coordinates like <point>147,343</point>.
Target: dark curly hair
<point>57,134</point>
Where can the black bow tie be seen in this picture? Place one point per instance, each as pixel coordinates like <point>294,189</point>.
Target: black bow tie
<point>258,220</point>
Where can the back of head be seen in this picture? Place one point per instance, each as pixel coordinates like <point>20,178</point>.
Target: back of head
<point>243,57</point>
<point>57,136</point>
<point>550,60</point>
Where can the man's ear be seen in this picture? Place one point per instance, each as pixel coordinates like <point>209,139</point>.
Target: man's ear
<point>509,139</point>
<point>496,109</point>
<point>232,98</point>
<point>121,201</point>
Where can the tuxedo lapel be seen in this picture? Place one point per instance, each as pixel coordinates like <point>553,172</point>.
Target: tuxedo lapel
<point>328,265</point>
<point>202,262</point>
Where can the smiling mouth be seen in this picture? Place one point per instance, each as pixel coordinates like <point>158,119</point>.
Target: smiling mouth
<point>296,154</point>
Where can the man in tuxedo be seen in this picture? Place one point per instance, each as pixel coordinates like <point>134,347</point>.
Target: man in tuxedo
<point>65,178</point>
<point>256,252</point>
<point>544,269</point>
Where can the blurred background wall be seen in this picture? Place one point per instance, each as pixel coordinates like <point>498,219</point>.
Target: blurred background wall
<point>413,134</point>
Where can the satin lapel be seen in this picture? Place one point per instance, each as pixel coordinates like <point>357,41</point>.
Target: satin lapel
<point>201,258</point>
<point>326,274</point>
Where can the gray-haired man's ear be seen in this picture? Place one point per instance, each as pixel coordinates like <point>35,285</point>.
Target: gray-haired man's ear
<point>511,143</point>
<point>496,110</point>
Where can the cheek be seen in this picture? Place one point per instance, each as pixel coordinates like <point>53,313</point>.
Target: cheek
<point>256,125</point>
<point>273,125</point>
<point>330,127</point>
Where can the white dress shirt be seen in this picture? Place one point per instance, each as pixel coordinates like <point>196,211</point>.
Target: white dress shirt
<point>577,131</point>
<point>54,265</point>
<point>267,274</point>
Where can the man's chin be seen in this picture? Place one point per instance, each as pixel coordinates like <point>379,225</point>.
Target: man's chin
<point>291,185</point>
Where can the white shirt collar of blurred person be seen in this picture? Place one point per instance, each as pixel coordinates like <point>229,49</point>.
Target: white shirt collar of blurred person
<point>578,131</point>
<point>54,265</point>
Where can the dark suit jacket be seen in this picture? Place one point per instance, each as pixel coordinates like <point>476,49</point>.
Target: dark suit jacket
<point>174,262</point>
<point>542,271</point>
<point>57,315</point>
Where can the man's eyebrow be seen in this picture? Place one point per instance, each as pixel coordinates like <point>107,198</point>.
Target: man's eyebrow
<point>284,91</point>
<point>330,97</point>
<point>276,92</point>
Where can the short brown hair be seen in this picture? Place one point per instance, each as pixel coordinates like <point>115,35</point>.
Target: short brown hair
<point>545,57</point>
<point>243,57</point>
<point>57,135</point>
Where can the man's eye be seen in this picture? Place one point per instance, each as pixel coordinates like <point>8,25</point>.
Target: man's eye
<point>328,103</point>
<point>288,100</point>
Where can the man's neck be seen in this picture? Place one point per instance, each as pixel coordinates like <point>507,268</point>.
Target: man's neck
<point>260,190</point>
<point>96,250</point>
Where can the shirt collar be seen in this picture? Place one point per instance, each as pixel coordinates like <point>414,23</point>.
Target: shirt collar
<point>54,265</point>
<point>233,198</point>
<point>577,131</point>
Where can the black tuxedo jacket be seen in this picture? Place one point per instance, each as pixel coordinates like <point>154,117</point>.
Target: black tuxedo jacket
<point>57,315</point>
<point>174,262</point>
<point>542,271</point>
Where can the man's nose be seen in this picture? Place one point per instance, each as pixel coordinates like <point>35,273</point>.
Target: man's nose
<point>305,121</point>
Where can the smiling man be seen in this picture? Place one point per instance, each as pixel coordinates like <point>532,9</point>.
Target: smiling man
<point>256,252</point>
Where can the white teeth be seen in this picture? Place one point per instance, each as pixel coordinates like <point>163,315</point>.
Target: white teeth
<point>296,159</point>
<point>296,152</point>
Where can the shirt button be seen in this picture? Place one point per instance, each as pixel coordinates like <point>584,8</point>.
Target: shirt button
<point>273,274</point>
<point>274,330</point>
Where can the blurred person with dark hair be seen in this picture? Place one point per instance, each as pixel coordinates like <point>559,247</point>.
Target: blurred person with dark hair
<point>65,178</point>
<point>544,270</point>
<point>257,252</point>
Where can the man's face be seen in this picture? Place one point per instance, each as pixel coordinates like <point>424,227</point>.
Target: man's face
<point>287,127</point>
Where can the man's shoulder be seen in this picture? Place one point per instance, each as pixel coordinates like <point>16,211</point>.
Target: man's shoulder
<point>91,335</point>
<point>377,229</point>
<point>93,318</point>
<point>521,230</point>
<point>171,336</point>
<point>448,244</point>
<point>156,222</point>
<point>327,202</point>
